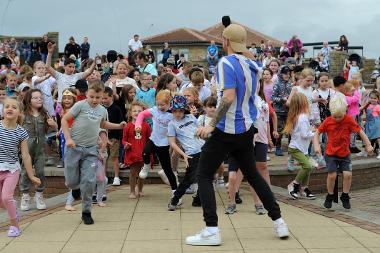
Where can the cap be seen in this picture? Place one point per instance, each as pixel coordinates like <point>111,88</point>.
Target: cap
<point>237,36</point>
<point>179,102</point>
<point>81,85</point>
<point>23,86</point>
<point>285,70</point>
<point>170,61</point>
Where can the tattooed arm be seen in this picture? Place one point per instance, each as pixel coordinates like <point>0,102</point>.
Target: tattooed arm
<point>225,103</point>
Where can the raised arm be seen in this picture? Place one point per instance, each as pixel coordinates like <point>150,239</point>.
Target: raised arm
<point>140,118</point>
<point>89,70</point>
<point>354,99</point>
<point>49,68</point>
<point>294,90</point>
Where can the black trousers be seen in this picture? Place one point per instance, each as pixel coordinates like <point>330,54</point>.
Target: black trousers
<point>189,177</point>
<point>239,146</point>
<point>163,157</point>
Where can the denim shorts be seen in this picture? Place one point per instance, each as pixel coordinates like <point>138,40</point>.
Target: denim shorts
<point>338,164</point>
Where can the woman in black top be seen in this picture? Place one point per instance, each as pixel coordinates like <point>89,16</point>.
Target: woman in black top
<point>343,44</point>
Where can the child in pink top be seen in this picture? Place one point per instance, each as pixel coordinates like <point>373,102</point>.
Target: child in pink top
<point>353,109</point>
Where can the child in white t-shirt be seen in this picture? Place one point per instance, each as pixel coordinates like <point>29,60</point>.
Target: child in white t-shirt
<point>69,78</point>
<point>46,83</point>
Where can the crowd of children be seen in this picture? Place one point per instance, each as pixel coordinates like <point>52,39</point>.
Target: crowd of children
<point>134,119</point>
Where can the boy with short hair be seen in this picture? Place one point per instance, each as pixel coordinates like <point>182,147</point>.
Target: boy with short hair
<point>183,128</point>
<point>81,142</point>
<point>25,85</point>
<point>69,78</point>
<point>338,127</point>
<point>114,136</point>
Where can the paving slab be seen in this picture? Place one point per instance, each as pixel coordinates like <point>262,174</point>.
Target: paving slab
<point>145,225</point>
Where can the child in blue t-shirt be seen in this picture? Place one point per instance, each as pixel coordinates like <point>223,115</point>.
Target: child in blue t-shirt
<point>183,128</point>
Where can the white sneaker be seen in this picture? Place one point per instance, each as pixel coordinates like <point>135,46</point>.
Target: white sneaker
<point>220,183</point>
<point>25,199</point>
<point>144,172</point>
<point>163,176</point>
<point>40,201</point>
<point>116,181</point>
<point>204,238</point>
<point>362,153</point>
<point>313,162</point>
<point>281,230</point>
<point>378,156</point>
<point>268,157</point>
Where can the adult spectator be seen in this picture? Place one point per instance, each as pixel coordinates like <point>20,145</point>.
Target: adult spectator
<point>212,54</point>
<point>343,44</point>
<point>13,46</point>
<point>72,48</point>
<point>270,48</point>
<point>25,51</point>
<point>142,63</point>
<point>34,51</point>
<point>43,47</point>
<point>166,53</point>
<point>134,45</point>
<point>295,45</point>
<point>284,50</point>
<point>85,49</point>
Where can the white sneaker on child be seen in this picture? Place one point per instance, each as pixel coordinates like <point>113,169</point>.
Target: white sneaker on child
<point>204,238</point>
<point>40,201</point>
<point>25,199</point>
<point>220,183</point>
<point>281,229</point>
<point>362,153</point>
<point>116,181</point>
<point>144,171</point>
<point>163,176</point>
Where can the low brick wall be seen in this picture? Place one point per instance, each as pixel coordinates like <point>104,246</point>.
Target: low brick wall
<point>366,174</point>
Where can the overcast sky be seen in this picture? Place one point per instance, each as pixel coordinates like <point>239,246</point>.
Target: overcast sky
<point>110,24</point>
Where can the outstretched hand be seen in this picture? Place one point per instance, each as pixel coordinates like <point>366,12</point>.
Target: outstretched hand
<point>51,47</point>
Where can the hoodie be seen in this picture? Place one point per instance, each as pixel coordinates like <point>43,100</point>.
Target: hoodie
<point>281,89</point>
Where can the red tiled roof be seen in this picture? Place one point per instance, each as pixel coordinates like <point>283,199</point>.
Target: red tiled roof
<point>253,36</point>
<point>182,36</point>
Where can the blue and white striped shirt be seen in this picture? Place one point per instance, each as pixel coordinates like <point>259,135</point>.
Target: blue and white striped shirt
<point>239,73</point>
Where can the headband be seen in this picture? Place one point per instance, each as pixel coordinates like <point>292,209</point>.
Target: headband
<point>68,93</point>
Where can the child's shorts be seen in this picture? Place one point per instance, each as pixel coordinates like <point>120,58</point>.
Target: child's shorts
<point>338,164</point>
<point>232,164</point>
<point>114,148</point>
<point>261,152</point>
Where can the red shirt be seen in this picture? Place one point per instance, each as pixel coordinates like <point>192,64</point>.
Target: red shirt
<point>80,97</point>
<point>134,153</point>
<point>338,134</point>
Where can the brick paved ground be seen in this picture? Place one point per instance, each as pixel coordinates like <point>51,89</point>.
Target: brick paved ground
<point>146,226</point>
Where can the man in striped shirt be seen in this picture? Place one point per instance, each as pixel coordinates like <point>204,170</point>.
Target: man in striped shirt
<point>231,132</point>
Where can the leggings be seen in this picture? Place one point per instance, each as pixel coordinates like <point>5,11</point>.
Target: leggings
<point>163,157</point>
<point>8,183</point>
